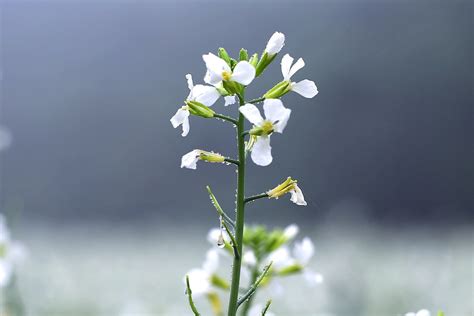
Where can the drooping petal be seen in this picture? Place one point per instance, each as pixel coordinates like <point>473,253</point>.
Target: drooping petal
<point>189,79</point>
<point>181,118</point>
<point>275,43</point>
<point>190,159</point>
<point>276,113</point>
<point>297,196</point>
<point>211,263</point>
<point>243,73</point>
<point>251,113</point>
<point>303,251</point>
<point>215,67</point>
<point>291,231</point>
<point>229,100</point>
<point>297,66</point>
<point>305,88</point>
<point>206,95</point>
<point>312,278</point>
<point>262,151</point>
<point>286,62</point>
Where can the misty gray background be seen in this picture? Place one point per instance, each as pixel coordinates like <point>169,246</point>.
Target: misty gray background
<point>89,86</point>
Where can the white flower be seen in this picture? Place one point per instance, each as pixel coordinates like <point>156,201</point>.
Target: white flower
<point>276,118</point>
<point>275,43</point>
<point>206,95</point>
<point>291,231</point>
<point>218,70</point>
<point>303,251</point>
<point>257,309</point>
<point>297,196</point>
<point>249,258</point>
<point>422,312</point>
<point>200,278</point>
<point>190,159</point>
<point>280,258</point>
<point>306,88</point>
<point>11,253</point>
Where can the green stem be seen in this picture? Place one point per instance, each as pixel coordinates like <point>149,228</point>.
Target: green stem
<point>257,100</point>
<point>190,297</point>
<point>249,302</point>
<point>267,306</point>
<point>230,160</point>
<point>255,197</point>
<point>254,286</point>
<point>239,222</point>
<point>226,118</point>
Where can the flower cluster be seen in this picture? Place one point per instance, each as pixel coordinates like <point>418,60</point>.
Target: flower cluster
<point>11,253</point>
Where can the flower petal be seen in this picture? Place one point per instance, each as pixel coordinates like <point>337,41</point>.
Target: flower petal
<point>251,113</point>
<point>303,251</point>
<point>297,66</point>
<point>206,95</point>
<point>189,78</point>
<point>215,64</point>
<point>181,118</point>
<point>262,151</point>
<point>306,88</point>
<point>275,43</point>
<point>276,113</point>
<point>190,159</point>
<point>297,196</point>
<point>286,62</point>
<point>199,282</point>
<point>291,231</point>
<point>243,73</point>
<point>230,100</point>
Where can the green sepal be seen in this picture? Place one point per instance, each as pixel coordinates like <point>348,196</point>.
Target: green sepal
<point>233,62</point>
<point>222,53</point>
<point>254,60</point>
<point>199,109</point>
<point>243,55</point>
<point>279,90</point>
<point>264,61</point>
<point>232,87</point>
<point>219,282</point>
<point>292,269</point>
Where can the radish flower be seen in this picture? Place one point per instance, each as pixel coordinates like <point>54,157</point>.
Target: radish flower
<point>276,118</point>
<point>275,43</point>
<point>190,159</point>
<point>218,70</point>
<point>289,186</point>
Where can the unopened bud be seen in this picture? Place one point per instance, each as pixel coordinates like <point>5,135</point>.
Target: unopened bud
<point>222,53</point>
<point>243,55</point>
<point>254,60</point>
<point>199,109</point>
<point>278,90</point>
<point>211,157</point>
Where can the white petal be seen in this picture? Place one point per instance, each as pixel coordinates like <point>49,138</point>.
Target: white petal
<point>6,271</point>
<point>291,231</point>
<point>249,258</point>
<point>306,88</point>
<point>297,197</point>
<point>189,78</point>
<point>312,278</point>
<point>281,258</point>
<point>230,100</point>
<point>181,118</point>
<point>286,62</point>
<point>243,73</point>
<point>297,66</point>
<point>215,64</point>
<point>423,312</point>
<point>212,261</point>
<point>276,113</point>
<point>251,113</point>
<point>199,282</point>
<point>275,43</point>
<point>262,151</point>
<point>303,251</point>
<point>206,95</point>
<point>190,159</point>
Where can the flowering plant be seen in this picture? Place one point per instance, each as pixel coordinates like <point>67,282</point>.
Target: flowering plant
<point>261,254</point>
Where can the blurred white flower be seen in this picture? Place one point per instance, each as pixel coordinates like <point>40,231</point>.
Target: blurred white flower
<point>423,312</point>
<point>11,254</point>
<point>257,309</point>
<point>249,258</point>
<point>281,258</point>
<point>200,279</point>
<point>291,231</point>
<point>5,138</point>
<point>305,88</point>
<point>218,70</point>
<point>303,251</point>
<point>275,43</point>
<point>206,95</point>
<point>276,118</point>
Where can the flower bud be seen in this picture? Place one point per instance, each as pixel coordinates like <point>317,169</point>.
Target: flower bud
<point>275,43</point>
<point>278,90</point>
<point>254,60</point>
<point>199,109</point>
<point>243,55</point>
<point>211,157</point>
<point>282,189</point>
<point>222,53</point>
<point>264,61</point>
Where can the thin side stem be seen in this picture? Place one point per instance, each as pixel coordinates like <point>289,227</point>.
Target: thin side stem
<point>254,286</point>
<point>257,100</point>
<point>255,197</point>
<point>226,118</point>
<point>232,239</point>
<point>218,207</point>
<point>190,298</point>
<point>253,279</point>
<point>239,222</point>
<point>230,160</point>
<point>267,306</point>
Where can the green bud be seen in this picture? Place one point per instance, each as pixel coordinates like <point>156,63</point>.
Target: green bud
<point>254,60</point>
<point>243,54</point>
<point>199,109</point>
<point>219,282</point>
<point>278,90</point>
<point>265,60</point>
<point>211,157</point>
<point>294,268</point>
<point>222,53</point>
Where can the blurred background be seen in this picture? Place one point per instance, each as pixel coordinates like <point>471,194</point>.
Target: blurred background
<point>91,182</point>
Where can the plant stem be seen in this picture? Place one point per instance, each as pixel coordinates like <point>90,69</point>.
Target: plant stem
<point>239,221</point>
<point>255,197</point>
<point>190,298</point>
<point>226,118</point>
<point>257,100</point>
<point>253,279</point>
<point>254,286</point>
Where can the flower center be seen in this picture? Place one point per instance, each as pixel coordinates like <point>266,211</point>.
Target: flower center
<point>226,75</point>
<point>267,127</point>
